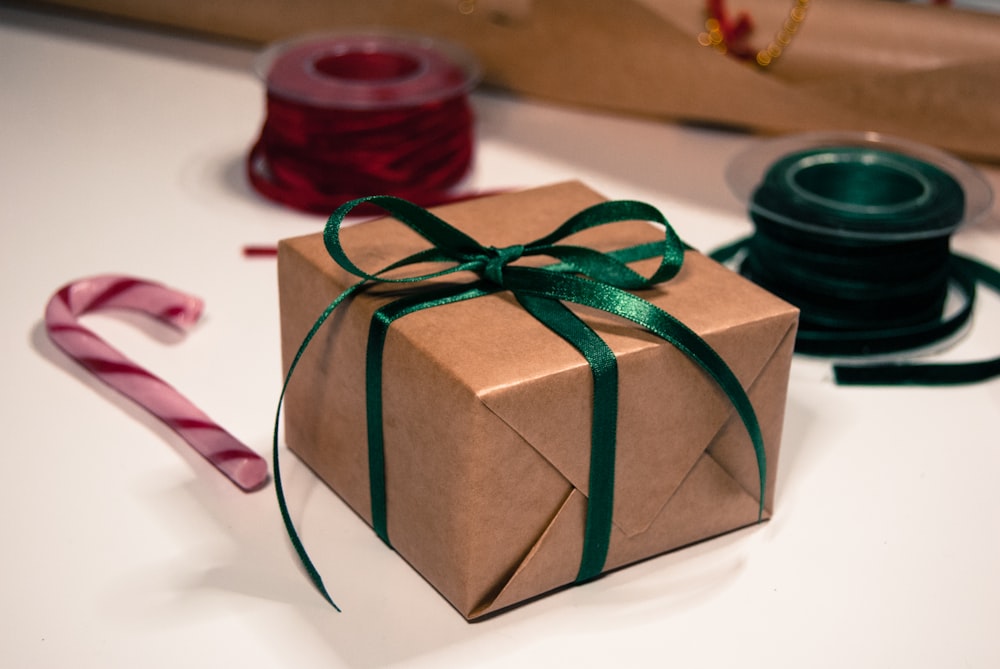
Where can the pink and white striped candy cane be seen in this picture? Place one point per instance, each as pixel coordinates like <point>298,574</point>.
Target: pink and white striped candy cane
<point>243,466</point>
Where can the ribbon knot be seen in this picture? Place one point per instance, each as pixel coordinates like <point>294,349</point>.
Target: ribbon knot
<point>497,258</point>
<point>580,275</point>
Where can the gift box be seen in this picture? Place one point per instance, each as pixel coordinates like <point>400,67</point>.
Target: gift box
<point>487,414</point>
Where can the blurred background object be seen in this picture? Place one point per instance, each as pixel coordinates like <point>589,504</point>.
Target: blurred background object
<point>927,71</point>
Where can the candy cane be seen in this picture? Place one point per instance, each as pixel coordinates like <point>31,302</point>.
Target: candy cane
<point>243,466</point>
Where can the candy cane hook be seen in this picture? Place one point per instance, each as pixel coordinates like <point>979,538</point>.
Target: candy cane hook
<point>241,465</point>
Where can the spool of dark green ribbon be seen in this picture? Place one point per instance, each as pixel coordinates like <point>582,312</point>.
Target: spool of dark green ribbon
<point>858,237</point>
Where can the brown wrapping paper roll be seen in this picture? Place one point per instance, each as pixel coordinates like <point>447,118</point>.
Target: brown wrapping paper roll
<point>929,74</point>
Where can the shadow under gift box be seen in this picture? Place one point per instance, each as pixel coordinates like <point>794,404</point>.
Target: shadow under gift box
<point>487,413</point>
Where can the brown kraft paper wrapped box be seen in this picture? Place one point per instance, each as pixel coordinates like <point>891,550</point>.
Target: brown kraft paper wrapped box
<point>487,414</point>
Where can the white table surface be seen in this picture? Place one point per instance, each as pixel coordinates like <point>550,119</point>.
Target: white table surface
<point>121,151</point>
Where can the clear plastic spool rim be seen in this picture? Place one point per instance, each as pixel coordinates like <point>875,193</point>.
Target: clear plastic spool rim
<point>418,70</point>
<point>748,169</point>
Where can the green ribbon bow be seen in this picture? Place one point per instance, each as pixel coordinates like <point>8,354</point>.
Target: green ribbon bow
<point>581,276</point>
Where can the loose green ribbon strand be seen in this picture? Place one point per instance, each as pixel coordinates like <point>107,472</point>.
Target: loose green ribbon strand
<point>858,239</point>
<point>580,275</point>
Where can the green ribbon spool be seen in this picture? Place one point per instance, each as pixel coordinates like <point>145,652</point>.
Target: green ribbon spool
<point>854,192</point>
<point>582,276</point>
<point>859,239</point>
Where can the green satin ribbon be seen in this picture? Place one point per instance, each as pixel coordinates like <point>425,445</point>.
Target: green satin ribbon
<point>582,276</point>
<point>858,239</point>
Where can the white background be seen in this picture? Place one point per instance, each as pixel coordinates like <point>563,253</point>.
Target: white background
<point>121,151</point>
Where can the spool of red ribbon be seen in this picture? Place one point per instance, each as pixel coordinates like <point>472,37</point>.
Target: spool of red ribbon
<point>356,115</point>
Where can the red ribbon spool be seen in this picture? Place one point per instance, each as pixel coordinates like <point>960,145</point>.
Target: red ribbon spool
<point>357,115</point>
